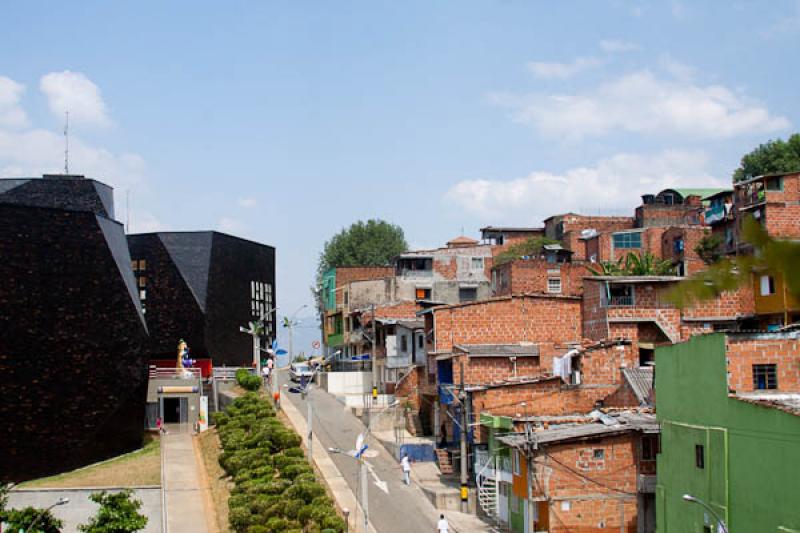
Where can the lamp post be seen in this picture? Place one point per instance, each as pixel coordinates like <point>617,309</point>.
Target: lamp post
<point>358,455</point>
<point>290,323</point>
<point>721,526</point>
<point>256,330</point>
<point>61,501</point>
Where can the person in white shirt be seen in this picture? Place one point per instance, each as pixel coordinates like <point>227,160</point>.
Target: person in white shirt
<point>265,372</point>
<point>406,466</point>
<point>442,526</point>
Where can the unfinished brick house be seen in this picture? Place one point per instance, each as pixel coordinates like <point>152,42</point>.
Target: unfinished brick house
<point>636,308</point>
<point>595,474</point>
<point>501,237</point>
<point>538,275</point>
<point>570,227</point>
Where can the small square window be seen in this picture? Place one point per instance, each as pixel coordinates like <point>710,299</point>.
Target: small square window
<point>142,281</point>
<point>423,294</point>
<point>142,264</point>
<point>468,294</point>
<point>477,263</point>
<point>775,184</point>
<point>765,377</point>
<point>600,454</point>
<point>142,294</point>
<point>699,456</point>
<point>554,285</point>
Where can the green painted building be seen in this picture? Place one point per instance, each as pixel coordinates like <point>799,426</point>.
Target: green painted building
<point>729,409</point>
<point>333,332</point>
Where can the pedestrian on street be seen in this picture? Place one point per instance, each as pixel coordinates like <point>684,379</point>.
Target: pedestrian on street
<point>405,464</point>
<point>442,526</point>
<point>265,373</point>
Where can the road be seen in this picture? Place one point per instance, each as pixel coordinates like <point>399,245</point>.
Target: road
<point>404,508</point>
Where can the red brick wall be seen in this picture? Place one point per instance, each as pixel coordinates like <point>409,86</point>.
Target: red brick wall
<point>655,215</point>
<point>530,276</point>
<point>594,314</point>
<point>545,398</point>
<point>483,370</point>
<point>568,471</point>
<point>409,387</point>
<point>345,275</point>
<point>729,304</point>
<point>743,353</point>
<point>573,225</point>
<point>784,220</point>
<point>537,319</point>
<point>398,310</point>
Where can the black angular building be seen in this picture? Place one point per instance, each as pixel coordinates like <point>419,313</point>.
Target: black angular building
<point>73,366</point>
<point>201,286</point>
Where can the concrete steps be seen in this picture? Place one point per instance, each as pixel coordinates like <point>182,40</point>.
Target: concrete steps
<point>443,458</point>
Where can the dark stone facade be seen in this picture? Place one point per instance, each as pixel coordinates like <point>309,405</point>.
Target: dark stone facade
<point>198,287</point>
<point>73,370</point>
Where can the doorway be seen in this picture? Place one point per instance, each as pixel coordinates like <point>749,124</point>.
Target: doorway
<point>175,410</point>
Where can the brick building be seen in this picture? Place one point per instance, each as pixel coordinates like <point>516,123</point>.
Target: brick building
<point>537,275</point>
<point>590,476</point>
<point>570,228</point>
<point>201,286</point>
<point>73,359</point>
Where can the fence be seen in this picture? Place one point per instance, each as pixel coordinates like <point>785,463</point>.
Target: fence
<point>174,373</point>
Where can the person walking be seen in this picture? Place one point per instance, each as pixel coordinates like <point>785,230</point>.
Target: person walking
<point>405,464</point>
<point>265,373</point>
<point>442,526</point>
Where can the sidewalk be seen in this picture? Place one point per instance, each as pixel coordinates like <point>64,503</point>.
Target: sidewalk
<point>184,511</point>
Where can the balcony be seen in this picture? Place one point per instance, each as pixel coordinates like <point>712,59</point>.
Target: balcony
<point>621,300</point>
<point>411,274</point>
<point>716,213</point>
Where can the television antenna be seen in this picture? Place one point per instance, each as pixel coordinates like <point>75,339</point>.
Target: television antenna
<point>66,142</point>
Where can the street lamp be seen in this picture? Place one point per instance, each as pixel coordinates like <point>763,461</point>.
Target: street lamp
<point>290,323</point>
<point>61,501</point>
<point>721,527</point>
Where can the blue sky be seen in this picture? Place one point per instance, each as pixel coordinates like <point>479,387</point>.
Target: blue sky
<point>285,121</point>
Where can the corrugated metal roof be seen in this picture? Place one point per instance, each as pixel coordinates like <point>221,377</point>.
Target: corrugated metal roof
<point>499,350</point>
<point>641,381</point>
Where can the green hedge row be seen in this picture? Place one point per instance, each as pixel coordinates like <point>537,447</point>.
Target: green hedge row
<point>247,380</point>
<point>276,490</point>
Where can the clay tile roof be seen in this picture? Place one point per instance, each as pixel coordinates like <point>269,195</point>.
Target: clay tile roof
<point>462,240</point>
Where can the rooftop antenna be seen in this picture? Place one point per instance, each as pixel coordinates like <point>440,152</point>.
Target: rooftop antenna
<point>127,210</point>
<point>66,143</point>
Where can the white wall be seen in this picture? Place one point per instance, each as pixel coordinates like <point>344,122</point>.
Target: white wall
<point>349,382</point>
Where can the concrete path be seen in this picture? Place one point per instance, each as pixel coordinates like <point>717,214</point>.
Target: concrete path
<point>183,491</point>
<point>80,509</point>
<point>403,508</point>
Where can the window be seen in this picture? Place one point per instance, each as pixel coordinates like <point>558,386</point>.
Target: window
<point>599,454</point>
<point>775,184</point>
<point>142,294</point>
<point>699,456</point>
<point>554,285</point>
<point>261,302</point>
<point>515,460</point>
<point>765,377</point>
<point>403,343</point>
<point>621,295</point>
<point>346,298</point>
<point>477,263</point>
<point>628,240</point>
<point>423,294</point>
<point>142,281</point>
<point>650,447</point>
<point>469,294</point>
<point>767,285</point>
<point>421,341</point>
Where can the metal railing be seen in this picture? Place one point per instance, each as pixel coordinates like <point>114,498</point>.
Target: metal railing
<point>621,300</point>
<point>174,373</point>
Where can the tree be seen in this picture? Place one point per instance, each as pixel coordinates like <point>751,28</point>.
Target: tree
<point>769,257</point>
<point>22,519</point>
<point>770,157</point>
<point>532,246</point>
<point>632,264</point>
<point>370,243</point>
<point>709,248</point>
<point>118,513</point>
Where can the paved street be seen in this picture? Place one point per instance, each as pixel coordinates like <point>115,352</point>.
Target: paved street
<point>403,509</point>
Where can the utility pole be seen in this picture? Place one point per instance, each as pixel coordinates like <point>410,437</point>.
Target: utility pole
<point>530,447</point>
<point>374,359</point>
<point>464,490</point>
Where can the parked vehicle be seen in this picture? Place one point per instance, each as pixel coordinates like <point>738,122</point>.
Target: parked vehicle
<point>299,370</point>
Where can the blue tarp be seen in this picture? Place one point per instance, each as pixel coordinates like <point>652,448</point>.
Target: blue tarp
<point>418,452</point>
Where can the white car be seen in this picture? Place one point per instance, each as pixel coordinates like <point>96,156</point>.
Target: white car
<point>299,370</point>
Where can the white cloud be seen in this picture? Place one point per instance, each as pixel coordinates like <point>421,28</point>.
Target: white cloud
<point>74,92</point>
<point>640,102</point>
<point>143,222</point>
<point>248,202</point>
<point>612,46</point>
<point>548,70</point>
<point>610,184</point>
<point>11,114</point>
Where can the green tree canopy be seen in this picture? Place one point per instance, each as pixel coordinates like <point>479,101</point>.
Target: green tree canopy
<point>42,520</point>
<point>770,157</point>
<point>118,513</point>
<point>370,243</point>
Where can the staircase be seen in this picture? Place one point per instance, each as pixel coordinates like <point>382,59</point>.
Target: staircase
<point>662,321</point>
<point>445,466</point>
<point>486,479</point>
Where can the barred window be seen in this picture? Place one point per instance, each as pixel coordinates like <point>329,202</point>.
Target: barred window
<point>765,377</point>
<point>628,240</point>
